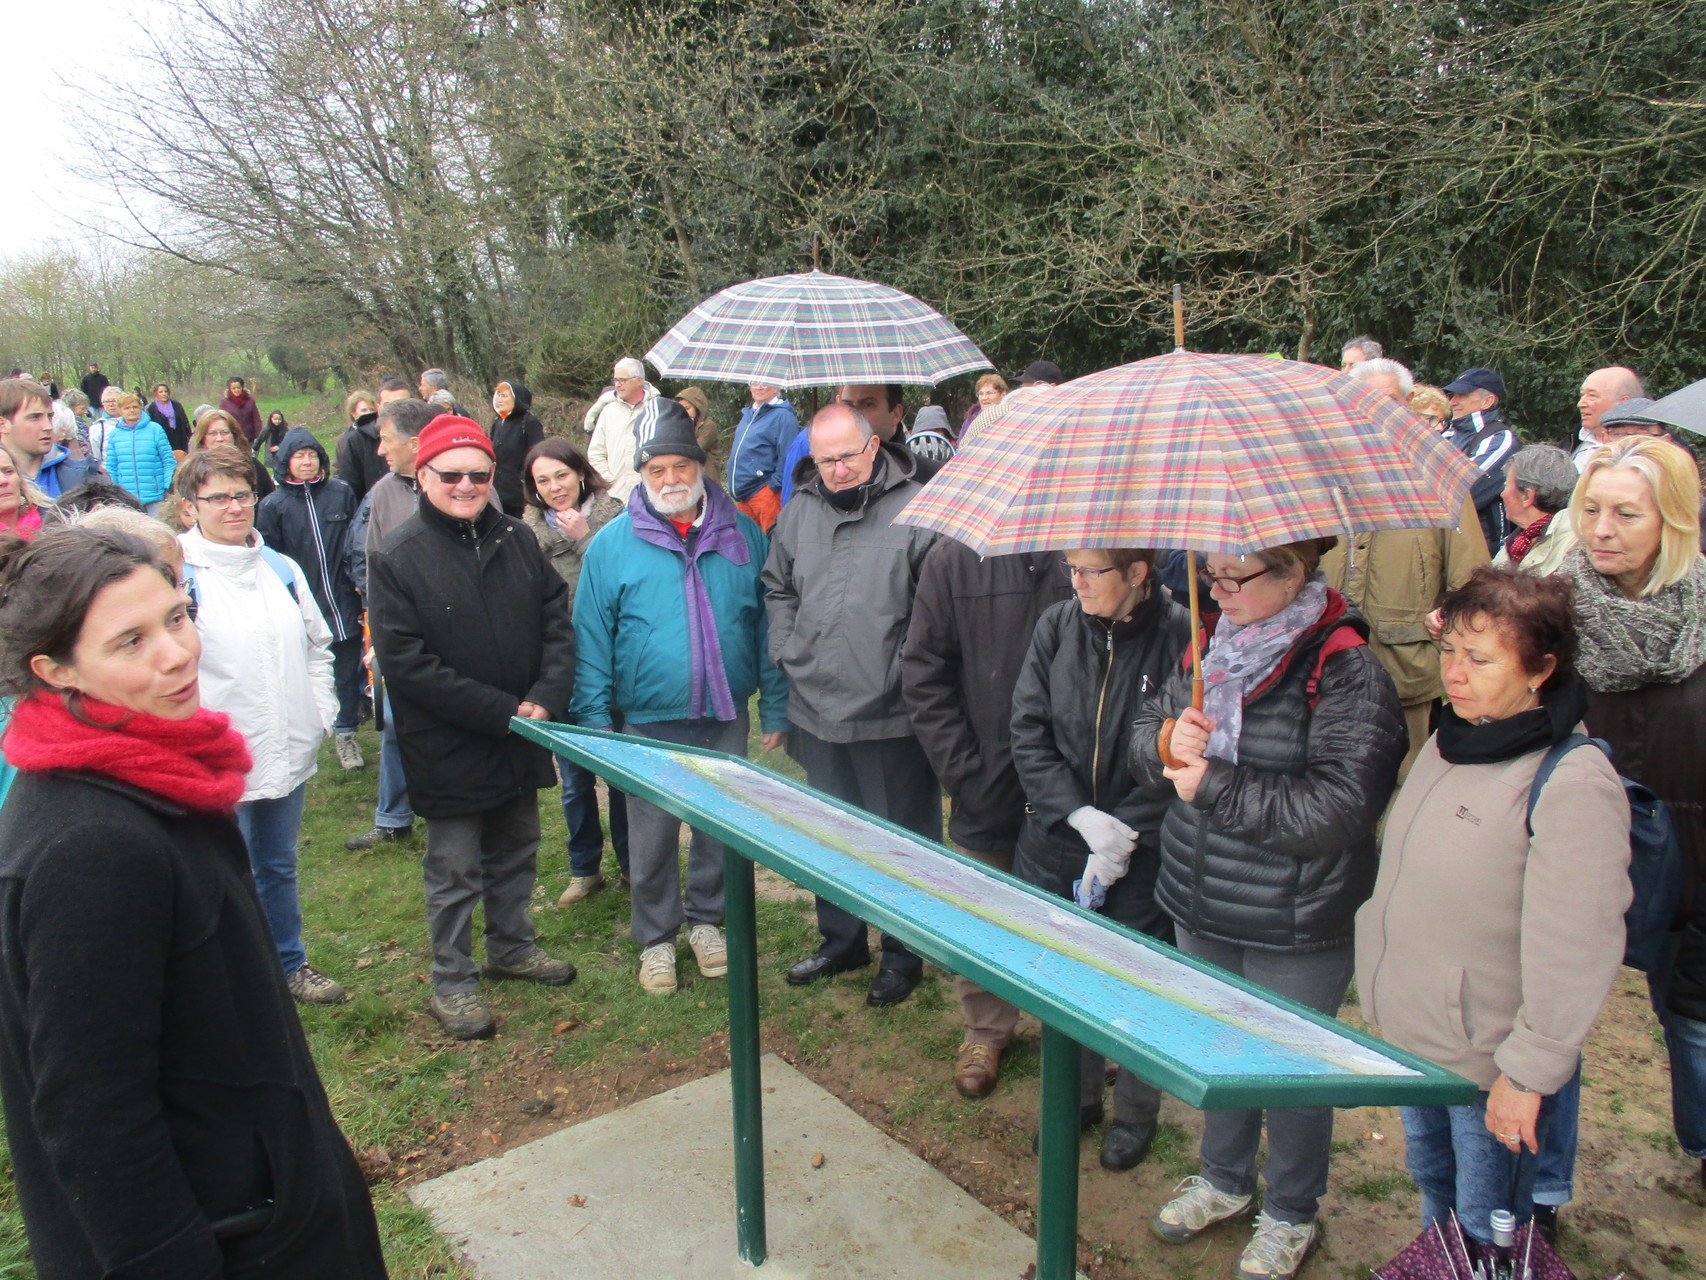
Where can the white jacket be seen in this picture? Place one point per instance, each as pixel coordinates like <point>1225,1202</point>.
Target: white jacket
<point>266,661</point>
<point>611,449</point>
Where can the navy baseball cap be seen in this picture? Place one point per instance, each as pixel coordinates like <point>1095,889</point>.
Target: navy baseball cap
<point>1476,380</point>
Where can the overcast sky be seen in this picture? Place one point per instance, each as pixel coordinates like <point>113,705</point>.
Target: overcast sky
<point>83,41</point>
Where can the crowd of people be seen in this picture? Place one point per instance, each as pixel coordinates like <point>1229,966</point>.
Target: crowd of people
<point>1387,779</point>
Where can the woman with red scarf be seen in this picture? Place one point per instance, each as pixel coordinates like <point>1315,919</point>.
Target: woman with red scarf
<point>164,1115</point>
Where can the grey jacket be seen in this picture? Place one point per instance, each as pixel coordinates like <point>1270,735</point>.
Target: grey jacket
<point>839,587</point>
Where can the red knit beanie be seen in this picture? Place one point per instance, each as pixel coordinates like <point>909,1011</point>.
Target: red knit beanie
<point>447,432</point>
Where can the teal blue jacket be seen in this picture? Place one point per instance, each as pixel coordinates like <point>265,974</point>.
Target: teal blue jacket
<point>634,656</point>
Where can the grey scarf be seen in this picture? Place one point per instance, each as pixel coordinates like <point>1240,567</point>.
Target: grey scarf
<point>1626,644</point>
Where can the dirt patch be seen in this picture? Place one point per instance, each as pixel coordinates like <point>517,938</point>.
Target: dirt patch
<point>1638,1205</point>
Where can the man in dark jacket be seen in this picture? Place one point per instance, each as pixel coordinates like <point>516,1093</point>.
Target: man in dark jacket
<point>471,627</point>
<point>839,584</point>
<point>241,406</point>
<point>94,382</point>
<point>1478,428</point>
<point>514,431</point>
<point>971,627</point>
<point>308,519</point>
<point>359,464</point>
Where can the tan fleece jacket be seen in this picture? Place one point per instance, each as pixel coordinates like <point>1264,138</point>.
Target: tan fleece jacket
<point>1484,950</point>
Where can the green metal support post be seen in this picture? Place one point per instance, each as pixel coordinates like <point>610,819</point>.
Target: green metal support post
<point>741,921</point>
<point>1057,1164</point>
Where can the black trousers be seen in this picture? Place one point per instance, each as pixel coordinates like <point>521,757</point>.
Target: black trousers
<point>889,778</point>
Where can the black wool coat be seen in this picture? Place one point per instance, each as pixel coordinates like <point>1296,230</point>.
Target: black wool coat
<point>970,630</point>
<point>155,1077</point>
<point>1277,851</point>
<point>468,620</point>
<point>512,438</point>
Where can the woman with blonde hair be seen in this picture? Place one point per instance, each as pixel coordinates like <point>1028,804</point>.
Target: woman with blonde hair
<point>990,390</point>
<point>1432,404</point>
<point>1641,597</point>
<point>21,502</point>
<point>216,428</point>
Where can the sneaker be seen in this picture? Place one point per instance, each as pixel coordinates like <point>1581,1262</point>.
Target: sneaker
<point>535,966</point>
<point>462,1015</point>
<point>1186,1216</point>
<point>349,751</point>
<point>709,950</point>
<point>1277,1249</point>
<point>374,836</point>
<point>310,986</point>
<point>580,888</point>
<point>657,969</point>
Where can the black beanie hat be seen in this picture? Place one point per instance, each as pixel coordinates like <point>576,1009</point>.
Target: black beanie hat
<point>662,427</point>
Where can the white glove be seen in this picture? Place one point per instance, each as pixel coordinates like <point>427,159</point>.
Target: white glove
<point>1110,841</point>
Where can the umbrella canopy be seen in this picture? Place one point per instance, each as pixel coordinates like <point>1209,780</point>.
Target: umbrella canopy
<point>1685,408</point>
<point>1207,452</point>
<point>814,330</point>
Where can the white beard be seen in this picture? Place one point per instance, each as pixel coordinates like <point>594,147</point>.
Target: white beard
<point>678,499</point>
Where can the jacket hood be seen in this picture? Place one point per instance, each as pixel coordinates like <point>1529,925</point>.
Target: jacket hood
<point>367,424</point>
<point>931,417</point>
<point>56,455</point>
<point>523,397</point>
<point>295,439</point>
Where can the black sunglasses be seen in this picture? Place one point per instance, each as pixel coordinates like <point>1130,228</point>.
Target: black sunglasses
<point>454,478</point>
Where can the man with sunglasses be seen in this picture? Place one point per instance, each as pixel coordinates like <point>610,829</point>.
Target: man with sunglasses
<point>471,626</point>
<point>839,584</point>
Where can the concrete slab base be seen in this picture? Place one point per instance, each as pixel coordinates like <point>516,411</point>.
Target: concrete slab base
<point>649,1191</point>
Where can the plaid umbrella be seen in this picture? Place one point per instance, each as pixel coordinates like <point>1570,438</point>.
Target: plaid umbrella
<point>1209,452</point>
<point>814,330</point>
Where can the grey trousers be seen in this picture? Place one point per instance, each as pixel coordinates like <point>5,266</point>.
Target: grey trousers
<point>489,858</point>
<point>1300,1139</point>
<point>654,843</point>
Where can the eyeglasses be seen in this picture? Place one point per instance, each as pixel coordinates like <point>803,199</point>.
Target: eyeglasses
<point>1078,572</point>
<point>1230,585</point>
<point>244,499</point>
<point>842,459</point>
<point>454,478</point>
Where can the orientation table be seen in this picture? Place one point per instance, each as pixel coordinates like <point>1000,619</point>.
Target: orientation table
<point>1210,1039</point>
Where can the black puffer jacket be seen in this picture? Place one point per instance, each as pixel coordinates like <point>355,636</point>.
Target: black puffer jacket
<point>359,463</point>
<point>1277,851</point>
<point>310,523</point>
<point>155,1076</point>
<point>1084,682</point>
<point>972,620</point>
<point>512,437</point>
<point>469,620</point>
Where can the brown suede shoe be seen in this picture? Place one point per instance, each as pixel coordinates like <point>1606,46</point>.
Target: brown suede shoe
<point>977,1070</point>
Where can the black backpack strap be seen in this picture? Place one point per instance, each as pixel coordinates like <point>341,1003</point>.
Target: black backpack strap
<point>1558,752</point>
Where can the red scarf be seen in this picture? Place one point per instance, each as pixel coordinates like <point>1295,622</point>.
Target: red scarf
<point>1522,543</point>
<point>199,763</point>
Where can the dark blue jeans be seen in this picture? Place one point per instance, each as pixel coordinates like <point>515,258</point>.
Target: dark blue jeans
<point>1685,1041</point>
<point>1460,1166</point>
<point>349,679</point>
<point>270,829</point>
<point>580,813</point>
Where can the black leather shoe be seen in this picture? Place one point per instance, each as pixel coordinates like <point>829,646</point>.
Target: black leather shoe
<point>1125,1145</point>
<point>891,986</point>
<point>1088,1118</point>
<point>818,965</point>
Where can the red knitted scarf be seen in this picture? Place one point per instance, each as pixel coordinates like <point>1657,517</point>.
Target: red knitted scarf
<point>199,763</point>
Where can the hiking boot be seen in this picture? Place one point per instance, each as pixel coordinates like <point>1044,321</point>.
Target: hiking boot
<point>581,888</point>
<point>463,1015</point>
<point>709,950</point>
<point>657,969</point>
<point>1199,1206</point>
<point>310,986</point>
<point>535,966</point>
<point>976,1070</point>
<point>349,751</point>
<point>375,836</point>
<point>1277,1249</point>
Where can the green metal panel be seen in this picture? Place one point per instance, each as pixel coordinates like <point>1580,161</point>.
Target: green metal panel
<point>1207,1037</point>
